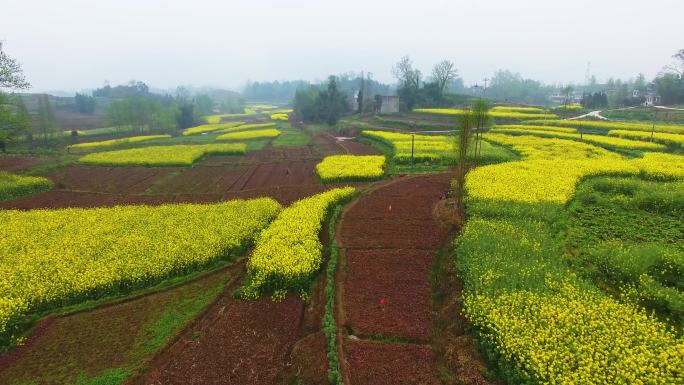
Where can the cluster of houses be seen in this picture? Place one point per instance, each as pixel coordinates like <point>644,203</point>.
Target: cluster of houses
<point>649,96</point>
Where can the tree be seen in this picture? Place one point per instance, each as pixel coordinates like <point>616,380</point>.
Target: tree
<point>204,105</point>
<point>306,104</point>
<point>670,87</point>
<point>512,87</point>
<point>314,105</point>
<point>14,119</point>
<point>333,102</point>
<point>142,113</point>
<point>480,111</point>
<point>678,66</point>
<point>11,74</point>
<point>640,82</point>
<point>133,88</point>
<point>444,72</point>
<point>46,118</point>
<point>186,116</point>
<point>409,82</point>
<point>84,104</point>
<point>360,95</point>
<point>466,124</point>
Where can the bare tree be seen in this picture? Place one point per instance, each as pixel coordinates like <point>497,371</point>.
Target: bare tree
<point>443,72</point>
<point>11,74</point>
<point>678,65</point>
<point>405,74</point>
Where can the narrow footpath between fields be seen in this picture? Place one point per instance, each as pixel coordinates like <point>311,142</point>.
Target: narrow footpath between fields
<point>390,241</point>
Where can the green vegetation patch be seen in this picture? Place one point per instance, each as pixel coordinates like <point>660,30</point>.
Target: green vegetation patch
<point>627,235</point>
<point>107,345</point>
<point>291,137</point>
<point>14,186</point>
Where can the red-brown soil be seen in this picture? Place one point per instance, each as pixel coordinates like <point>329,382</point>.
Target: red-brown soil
<point>386,292</point>
<point>61,348</point>
<point>18,162</point>
<point>237,342</point>
<point>129,180</point>
<point>353,147</point>
<point>324,144</point>
<point>378,363</point>
<point>400,278</point>
<point>64,198</point>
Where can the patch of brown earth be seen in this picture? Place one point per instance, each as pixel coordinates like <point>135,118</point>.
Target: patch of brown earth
<point>378,363</point>
<point>237,342</point>
<point>14,163</point>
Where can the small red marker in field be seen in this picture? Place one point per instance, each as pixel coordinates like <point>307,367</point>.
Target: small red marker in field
<point>382,301</point>
<point>389,209</point>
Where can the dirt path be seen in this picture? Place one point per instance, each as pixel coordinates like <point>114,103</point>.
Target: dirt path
<point>388,239</point>
<point>398,298</point>
<point>592,114</point>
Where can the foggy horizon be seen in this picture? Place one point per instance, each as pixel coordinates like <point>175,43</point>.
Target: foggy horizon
<point>76,45</point>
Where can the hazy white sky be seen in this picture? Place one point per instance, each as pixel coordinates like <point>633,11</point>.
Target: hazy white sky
<point>77,44</point>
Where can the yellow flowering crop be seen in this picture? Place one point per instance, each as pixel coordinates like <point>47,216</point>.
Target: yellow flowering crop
<point>288,252</point>
<point>13,186</point>
<point>211,127</point>
<point>554,167</point>
<point>116,142</point>
<point>546,324</point>
<point>493,114</point>
<point>337,168</point>
<point>246,127</point>
<point>659,137</point>
<point>253,134</point>
<point>610,125</point>
<point>578,337</point>
<point>569,107</point>
<point>430,148</point>
<point>425,147</point>
<point>628,144</point>
<point>520,127</point>
<point>176,155</point>
<point>280,116</point>
<point>524,110</point>
<point>51,258</point>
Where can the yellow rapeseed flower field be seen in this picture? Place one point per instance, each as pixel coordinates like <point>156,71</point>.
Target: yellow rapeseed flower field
<point>288,252</point>
<point>175,155</point>
<point>546,324</point>
<point>211,127</point>
<point>601,140</point>
<point>554,167</point>
<point>659,137</point>
<point>252,134</point>
<point>579,337</point>
<point>280,116</point>
<point>506,114</point>
<point>50,258</point>
<point>527,110</point>
<point>337,168</point>
<point>425,147</point>
<point>116,142</point>
<point>610,125</point>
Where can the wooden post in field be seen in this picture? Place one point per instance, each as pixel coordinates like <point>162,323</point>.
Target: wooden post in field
<point>655,112</point>
<point>413,140</point>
